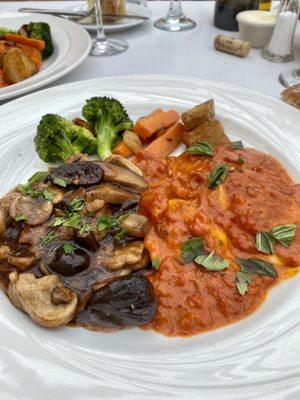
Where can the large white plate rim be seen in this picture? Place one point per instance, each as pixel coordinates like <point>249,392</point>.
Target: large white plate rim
<point>185,363</point>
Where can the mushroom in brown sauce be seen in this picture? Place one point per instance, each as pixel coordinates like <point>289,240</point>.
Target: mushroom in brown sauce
<point>34,210</point>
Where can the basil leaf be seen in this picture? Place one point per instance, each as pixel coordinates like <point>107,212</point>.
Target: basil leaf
<point>121,235</point>
<point>60,182</point>
<point>20,217</point>
<point>68,248</point>
<point>284,234</point>
<point>59,221</point>
<point>38,176</point>
<point>265,242</point>
<point>77,204</point>
<point>238,145</point>
<point>212,262</point>
<point>240,160</point>
<point>242,282</point>
<point>201,148</point>
<point>192,248</point>
<point>47,195</point>
<point>155,263</point>
<point>257,267</point>
<point>218,175</point>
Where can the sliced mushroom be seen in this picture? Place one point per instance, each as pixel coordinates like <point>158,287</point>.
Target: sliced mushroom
<point>32,235</point>
<point>35,297</point>
<point>126,255</point>
<point>35,210</point>
<point>132,140</point>
<point>79,173</point>
<point>122,176</point>
<point>123,162</point>
<point>110,194</point>
<point>136,225</point>
<point>143,263</point>
<point>58,194</point>
<point>94,206</point>
<point>3,218</point>
<point>21,262</point>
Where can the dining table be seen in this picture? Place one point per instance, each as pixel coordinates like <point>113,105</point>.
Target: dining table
<point>192,53</point>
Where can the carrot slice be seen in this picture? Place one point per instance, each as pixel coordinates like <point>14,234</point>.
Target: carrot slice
<point>147,126</point>
<point>122,149</point>
<point>2,81</point>
<point>157,111</point>
<point>166,143</point>
<point>38,44</point>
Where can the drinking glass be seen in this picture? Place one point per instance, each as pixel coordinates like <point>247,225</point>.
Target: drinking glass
<point>175,20</point>
<point>290,77</point>
<point>103,46</point>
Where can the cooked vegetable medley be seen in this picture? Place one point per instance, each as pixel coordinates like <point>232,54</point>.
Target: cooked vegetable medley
<point>22,52</point>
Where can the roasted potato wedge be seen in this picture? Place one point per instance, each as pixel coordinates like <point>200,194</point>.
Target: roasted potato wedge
<point>198,115</point>
<point>17,66</point>
<point>210,131</point>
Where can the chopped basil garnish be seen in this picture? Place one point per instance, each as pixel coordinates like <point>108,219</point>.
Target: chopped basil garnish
<point>107,222</point>
<point>155,263</point>
<point>77,204</point>
<point>238,145</point>
<point>48,238</point>
<point>218,175</point>
<point>284,234</point>
<point>242,282</point>
<point>68,248</point>
<point>38,176</point>
<point>47,195</point>
<point>265,242</point>
<point>86,228</point>
<point>59,221</point>
<point>20,217</point>
<point>121,235</point>
<point>202,148</point>
<point>60,182</point>
<point>240,160</point>
<point>192,248</point>
<point>212,262</point>
<point>257,267</point>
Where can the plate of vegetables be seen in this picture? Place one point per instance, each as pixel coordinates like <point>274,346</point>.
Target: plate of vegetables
<point>35,51</point>
<point>160,241</point>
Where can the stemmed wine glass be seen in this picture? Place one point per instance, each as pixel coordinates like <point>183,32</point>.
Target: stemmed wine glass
<point>290,77</point>
<point>103,46</point>
<point>175,20</point>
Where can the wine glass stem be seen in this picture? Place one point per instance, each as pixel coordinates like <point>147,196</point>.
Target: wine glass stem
<point>175,10</point>
<point>100,36</point>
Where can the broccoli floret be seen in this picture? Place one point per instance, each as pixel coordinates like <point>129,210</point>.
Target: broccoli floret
<point>4,30</point>
<point>109,119</point>
<point>58,139</point>
<point>41,30</point>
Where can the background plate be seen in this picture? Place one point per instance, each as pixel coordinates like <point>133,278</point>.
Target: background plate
<point>121,25</point>
<point>71,46</point>
<point>256,358</point>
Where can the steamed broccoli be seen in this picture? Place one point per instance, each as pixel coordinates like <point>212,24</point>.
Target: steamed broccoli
<point>41,30</point>
<point>109,119</point>
<point>58,139</point>
<point>4,30</point>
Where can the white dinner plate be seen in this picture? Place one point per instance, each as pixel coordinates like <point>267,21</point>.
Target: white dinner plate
<point>256,358</point>
<point>71,46</point>
<point>120,25</point>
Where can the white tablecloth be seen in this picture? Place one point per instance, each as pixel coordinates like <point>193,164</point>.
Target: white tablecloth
<point>190,53</point>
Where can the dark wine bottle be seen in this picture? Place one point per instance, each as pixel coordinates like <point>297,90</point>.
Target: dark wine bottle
<point>227,10</point>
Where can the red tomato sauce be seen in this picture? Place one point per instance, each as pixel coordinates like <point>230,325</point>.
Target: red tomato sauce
<point>256,196</point>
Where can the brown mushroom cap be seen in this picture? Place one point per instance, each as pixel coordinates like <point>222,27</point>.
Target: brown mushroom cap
<point>35,297</point>
<point>110,194</point>
<point>35,210</point>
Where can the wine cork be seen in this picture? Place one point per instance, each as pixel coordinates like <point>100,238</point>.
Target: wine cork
<point>231,45</point>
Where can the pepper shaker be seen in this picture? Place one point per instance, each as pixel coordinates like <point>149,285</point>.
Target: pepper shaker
<point>280,47</point>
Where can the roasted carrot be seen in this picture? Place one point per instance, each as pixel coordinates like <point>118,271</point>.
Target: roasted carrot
<point>157,111</point>
<point>122,149</point>
<point>166,143</point>
<point>38,44</point>
<point>147,126</point>
<point>33,53</point>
